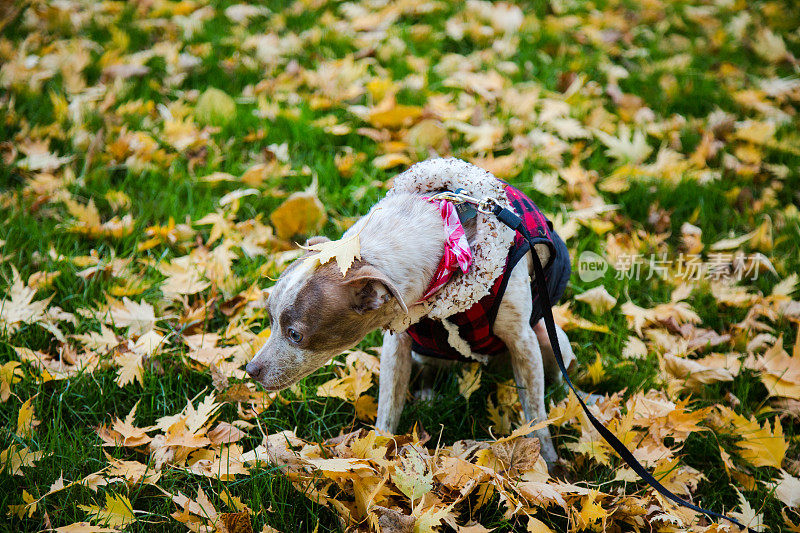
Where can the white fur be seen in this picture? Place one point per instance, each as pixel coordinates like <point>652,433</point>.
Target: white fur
<point>402,236</point>
<point>489,246</point>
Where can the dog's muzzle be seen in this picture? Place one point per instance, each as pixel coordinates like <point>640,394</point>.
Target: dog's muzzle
<point>254,370</point>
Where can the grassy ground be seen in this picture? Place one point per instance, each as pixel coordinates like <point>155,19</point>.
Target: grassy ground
<point>687,75</point>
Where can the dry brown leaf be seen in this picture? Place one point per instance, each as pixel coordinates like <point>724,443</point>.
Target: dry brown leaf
<point>300,214</point>
<point>236,523</point>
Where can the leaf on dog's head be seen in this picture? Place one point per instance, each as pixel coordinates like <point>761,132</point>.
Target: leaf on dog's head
<point>345,251</point>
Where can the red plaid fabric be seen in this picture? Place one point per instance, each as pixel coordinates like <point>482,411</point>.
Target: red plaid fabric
<point>475,324</point>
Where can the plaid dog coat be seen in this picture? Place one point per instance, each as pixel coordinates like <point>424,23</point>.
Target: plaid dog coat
<point>429,337</point>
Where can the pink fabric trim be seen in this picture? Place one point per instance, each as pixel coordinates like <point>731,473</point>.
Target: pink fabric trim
<point>457,254</point>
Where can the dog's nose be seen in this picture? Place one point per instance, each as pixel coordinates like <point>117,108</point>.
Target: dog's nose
<point>254,369</point>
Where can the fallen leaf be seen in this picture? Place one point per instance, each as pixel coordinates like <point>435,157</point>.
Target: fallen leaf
<point>300,214</point>
<point>84,527</point>
<point>117,512</point>
<point>215,107</point>
<point>26,422</point>
<point>598,299</point>
<point>10,373</point>
<point>469,380</point>
<point>412,477</point>
<point>787,490</point>
<point>237,522</point>
<point>130,369</point>
<point>138,317</point>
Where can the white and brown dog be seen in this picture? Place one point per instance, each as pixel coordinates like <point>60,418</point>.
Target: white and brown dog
<point>487,305</point>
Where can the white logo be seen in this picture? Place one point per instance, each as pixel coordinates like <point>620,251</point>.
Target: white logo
<point>591,266</point>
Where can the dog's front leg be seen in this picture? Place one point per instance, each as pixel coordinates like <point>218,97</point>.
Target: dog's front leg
<point>393,385</point>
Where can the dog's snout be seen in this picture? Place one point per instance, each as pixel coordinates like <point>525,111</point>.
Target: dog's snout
<point>254,369</point>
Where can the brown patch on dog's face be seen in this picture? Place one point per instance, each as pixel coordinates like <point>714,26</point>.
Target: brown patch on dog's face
<point>324,312</point>
<point>316,314</point>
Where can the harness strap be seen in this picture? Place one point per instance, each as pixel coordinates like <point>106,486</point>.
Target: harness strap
<point>514,222</point>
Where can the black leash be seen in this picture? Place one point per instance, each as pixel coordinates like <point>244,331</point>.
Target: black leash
<point>514,222</point>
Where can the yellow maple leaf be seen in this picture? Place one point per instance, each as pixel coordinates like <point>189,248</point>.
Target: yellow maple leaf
<point>394,116</point>
<point>469,379</point>
<point>19,307</point>
<point>591,511</point>
<point>755,132</point>
<point>568,320</point>
<point>139,317</point>
<point>345,251</point>
<point>537,526</point>
<point>598,299</point>
<point>500,416</point>
<point>366,408</point>
<point>178,434</point>
<point>680,479</point>
<point>300,214</point>
<point>694,373</point>
<point>132,471</point>
<point>634,348</point>
<point>26,422</point>
<point>765,446</point>
<point>88,221</point>
<point>748,515</point>
<point>10,373</point>
<point>124,433</point>
<point>779,372</point>
<point>596,449</point>
<point>15,458</point>
<point>87,215</point>
<point>387,161</point>
<point>29,507</point>
<point>431,518</point>
<point>760,446</point>
<point>130,369</point>
<point>595,371</point>
<point>352,383</point>
<point>117,511</point>
<point>371,446</point>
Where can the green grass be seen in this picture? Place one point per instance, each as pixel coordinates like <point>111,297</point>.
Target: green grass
<point>70,410</point>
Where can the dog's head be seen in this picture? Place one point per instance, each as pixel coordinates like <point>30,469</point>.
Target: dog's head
<point>316,314</point>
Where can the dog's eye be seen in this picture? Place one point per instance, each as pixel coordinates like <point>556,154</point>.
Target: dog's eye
<point>294,335</point>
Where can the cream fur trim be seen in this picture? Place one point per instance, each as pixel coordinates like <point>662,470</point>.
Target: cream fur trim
<point>490,245</point>
<point>454,339</point>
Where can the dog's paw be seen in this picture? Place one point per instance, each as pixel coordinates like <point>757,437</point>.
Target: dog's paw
<point>383,432</point>
<point>424,395</point>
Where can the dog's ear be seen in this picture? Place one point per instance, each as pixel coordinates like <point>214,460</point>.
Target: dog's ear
<point>370,289</point>
<point>316,240</point>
